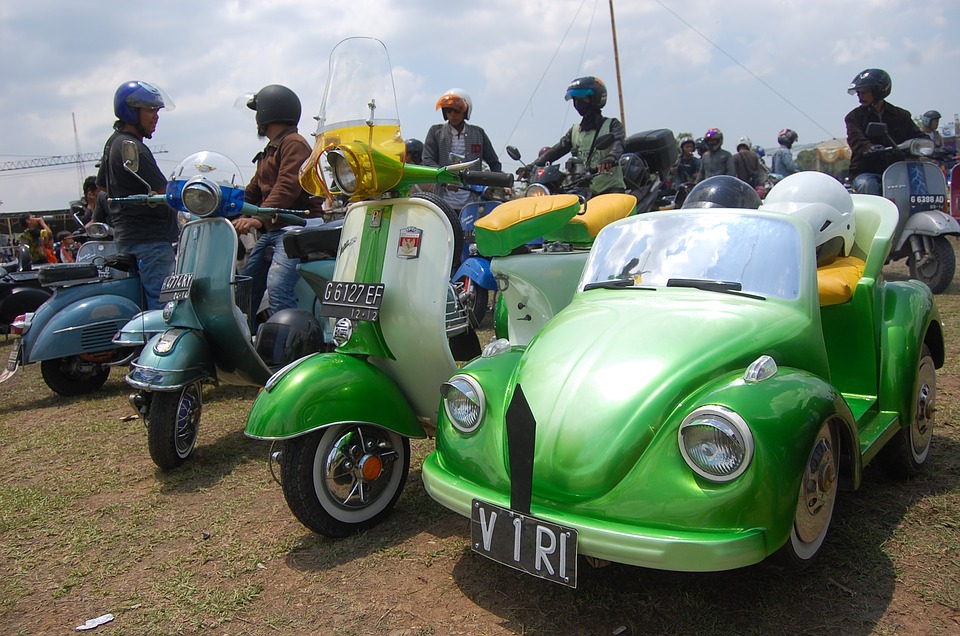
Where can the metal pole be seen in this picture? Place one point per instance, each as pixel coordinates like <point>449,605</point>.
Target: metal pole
<point>616,60</point>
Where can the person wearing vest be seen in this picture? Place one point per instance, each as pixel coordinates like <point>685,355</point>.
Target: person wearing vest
<point>589,96</point>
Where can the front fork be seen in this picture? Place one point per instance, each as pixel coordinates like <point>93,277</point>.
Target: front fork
<point>922,249</point>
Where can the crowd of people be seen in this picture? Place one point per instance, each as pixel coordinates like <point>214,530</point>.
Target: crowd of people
<point>149,232</point>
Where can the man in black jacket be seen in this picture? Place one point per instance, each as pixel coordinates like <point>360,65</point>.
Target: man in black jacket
<point>868,161</point>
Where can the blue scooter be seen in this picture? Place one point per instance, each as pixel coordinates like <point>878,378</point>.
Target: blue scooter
<point>473,280</point>
<point>71,334</point>
<point>204,333</point>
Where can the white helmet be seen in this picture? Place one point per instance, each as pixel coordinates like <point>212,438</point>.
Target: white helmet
<point>453,97</point>
<point>745,141</point>
<point>824,203</point>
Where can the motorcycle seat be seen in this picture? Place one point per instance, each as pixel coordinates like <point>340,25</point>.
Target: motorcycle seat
<point>68,272</point>
<point>836,281</point>
<point>313,243</point>
<point>517,222</point>
<point>596,214</point>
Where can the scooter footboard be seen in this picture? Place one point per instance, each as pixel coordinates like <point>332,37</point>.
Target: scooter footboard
<point>187,358</point>
<point>326,388</point>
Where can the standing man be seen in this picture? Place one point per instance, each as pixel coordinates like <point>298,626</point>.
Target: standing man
<point>746,164</point>
<point>715,160</point>
<point>145,231</point>
<point>456,141</point>
<point>276,184</point>
<point>783,163</point>
<point>31,237</point>
<point>868,161</point>
<point>589,95</point>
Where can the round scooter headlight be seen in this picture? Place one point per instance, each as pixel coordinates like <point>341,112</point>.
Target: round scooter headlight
<point>463,402</point>
<point>343,174</point>
<point>536,190</point>
<point>201,196</point>
<point>716,443</point>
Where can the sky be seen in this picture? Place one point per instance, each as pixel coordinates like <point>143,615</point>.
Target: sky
<point>746,67</point>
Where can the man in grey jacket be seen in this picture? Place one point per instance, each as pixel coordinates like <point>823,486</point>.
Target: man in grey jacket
<point>455,141</point>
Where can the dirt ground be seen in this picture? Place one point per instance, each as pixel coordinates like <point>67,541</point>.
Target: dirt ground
<point>89,526</point>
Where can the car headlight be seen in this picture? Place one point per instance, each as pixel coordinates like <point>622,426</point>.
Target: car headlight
<point>343,174</point>
<point>463,402</point>
<point>716,443</point>
<point>201,196</point>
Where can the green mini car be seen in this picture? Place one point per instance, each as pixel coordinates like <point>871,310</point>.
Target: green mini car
<point>700,401</point>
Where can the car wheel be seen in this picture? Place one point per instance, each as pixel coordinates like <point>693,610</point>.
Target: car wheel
<point>344,478</point>
<point>906,453</point>
<point>72,376</point>
<point>815,501</point>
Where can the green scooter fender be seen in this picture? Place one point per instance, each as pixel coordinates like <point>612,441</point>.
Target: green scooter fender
<point>327,388</point>
<point>189,359</point>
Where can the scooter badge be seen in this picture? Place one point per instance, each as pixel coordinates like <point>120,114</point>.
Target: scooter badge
<point>409,246</point>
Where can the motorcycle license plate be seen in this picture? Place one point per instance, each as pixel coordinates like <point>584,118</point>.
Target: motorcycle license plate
<point>176,287</point>
<point>14,360</point>
<point>357,301</point>
<point>539,548</point>
<point>921,202</point>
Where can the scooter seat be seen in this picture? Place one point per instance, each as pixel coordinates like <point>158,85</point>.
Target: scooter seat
<point>68,272</point>
<point>517,222</point>
<point>313,243</point>
<point>598,212</point>
<point>836,281</point>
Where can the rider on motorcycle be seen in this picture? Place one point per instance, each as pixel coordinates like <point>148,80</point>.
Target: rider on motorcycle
<point>589,95</point>
<point>868,160</point>
<point>929,123</point>
<point>783,163</point>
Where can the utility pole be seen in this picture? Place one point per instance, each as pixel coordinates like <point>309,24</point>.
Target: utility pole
<point>616,60</point>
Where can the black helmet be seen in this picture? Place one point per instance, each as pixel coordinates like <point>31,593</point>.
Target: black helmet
<point>288,335</point>
<point>787,137</point>
<point>722,191</point>
<point>275,103</point>
<point>713,139</point>
<point>928,118</point>
<point>414,149</point>
<point>588,87</point>
<point>873,79</point>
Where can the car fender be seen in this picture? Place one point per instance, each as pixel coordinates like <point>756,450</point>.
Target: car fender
<point>329,388</point>
<point>910,318</point>
<point>189,360</point>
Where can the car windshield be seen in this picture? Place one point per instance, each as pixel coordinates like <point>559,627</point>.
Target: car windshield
<point>716,250</point>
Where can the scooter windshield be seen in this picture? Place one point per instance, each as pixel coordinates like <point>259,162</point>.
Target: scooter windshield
<point>358,122</point>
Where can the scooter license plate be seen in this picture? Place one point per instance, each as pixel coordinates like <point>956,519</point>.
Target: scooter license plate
<point>176,287</point>
<point>537,547</point>
<point>357,301</point>
<point>14,360</point>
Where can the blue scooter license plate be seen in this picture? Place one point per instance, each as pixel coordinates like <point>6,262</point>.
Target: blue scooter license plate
<point>539,548</point>
<point>176,287</point>
<point>357,301</point>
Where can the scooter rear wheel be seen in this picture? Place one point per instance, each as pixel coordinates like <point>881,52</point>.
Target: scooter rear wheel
<point>72,376</point>
<point>173,421</point>
<point>345,478</point>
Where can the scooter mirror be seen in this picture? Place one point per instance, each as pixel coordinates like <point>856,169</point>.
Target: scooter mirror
<point>513,153</point>
<point>876,132</point>
<point>131,158</point>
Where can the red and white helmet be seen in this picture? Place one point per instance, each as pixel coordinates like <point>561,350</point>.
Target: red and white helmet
<point>456,98</point>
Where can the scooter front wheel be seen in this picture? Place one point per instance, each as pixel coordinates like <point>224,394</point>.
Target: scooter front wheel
<point>173,421</point>
<point>344,478</point>
<point>72,376</point>
<point>936,272</point>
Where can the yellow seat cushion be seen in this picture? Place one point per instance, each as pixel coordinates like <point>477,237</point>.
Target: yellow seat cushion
<point>836,281</point>
<point>516,222</point>
<point>600,211</point>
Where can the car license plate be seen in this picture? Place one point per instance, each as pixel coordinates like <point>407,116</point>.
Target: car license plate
<point>357,301</point>
<point>176,287</point>
<point>540,548</point>
<point>14,360</point>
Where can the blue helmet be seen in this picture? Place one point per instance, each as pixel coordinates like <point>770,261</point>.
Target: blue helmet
<point>133,95</point>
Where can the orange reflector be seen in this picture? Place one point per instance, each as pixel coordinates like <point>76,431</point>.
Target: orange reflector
<point>371,467</point>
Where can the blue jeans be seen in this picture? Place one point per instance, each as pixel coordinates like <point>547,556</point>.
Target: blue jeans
<point>156,261</point>
<point>868,183</point>
<point>279,276</point>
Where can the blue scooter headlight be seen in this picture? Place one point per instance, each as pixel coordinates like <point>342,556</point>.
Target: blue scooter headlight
<point>201,196</point>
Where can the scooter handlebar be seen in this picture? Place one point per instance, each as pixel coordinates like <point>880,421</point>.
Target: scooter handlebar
<point>484,178</point>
